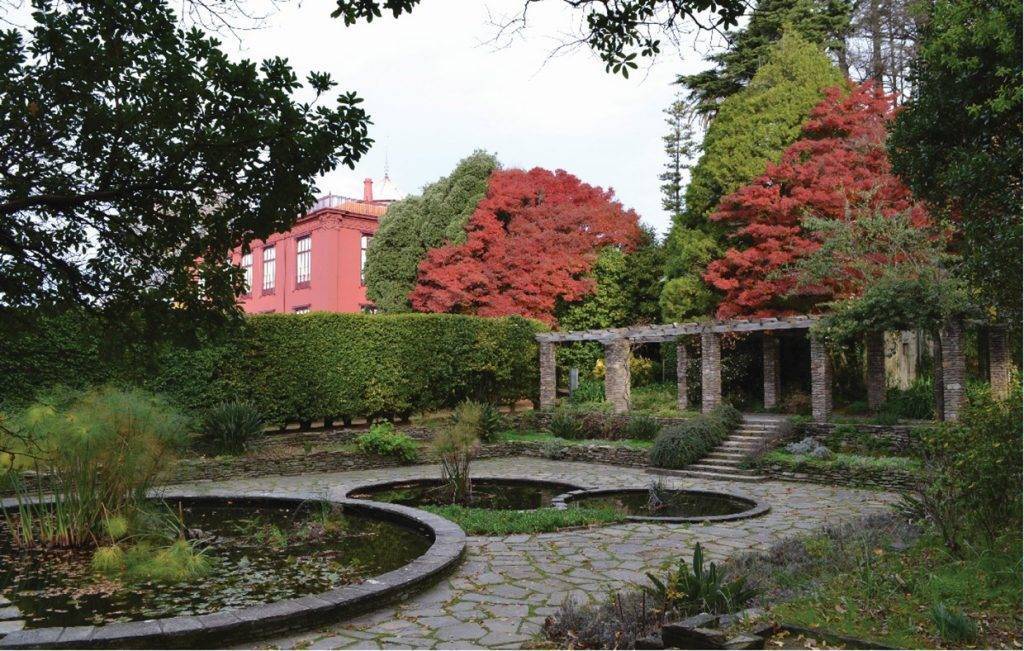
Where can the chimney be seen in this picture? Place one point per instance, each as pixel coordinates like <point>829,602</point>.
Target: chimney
<point>368,190</point>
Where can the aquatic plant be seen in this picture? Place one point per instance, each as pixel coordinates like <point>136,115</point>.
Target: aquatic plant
<point>457,445</point>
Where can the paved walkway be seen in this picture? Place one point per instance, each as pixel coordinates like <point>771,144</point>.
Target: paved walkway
<point>505,587</point>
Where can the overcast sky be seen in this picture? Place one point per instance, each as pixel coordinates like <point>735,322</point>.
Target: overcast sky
<point>437,88</point>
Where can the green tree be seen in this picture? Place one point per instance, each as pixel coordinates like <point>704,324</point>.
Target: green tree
<point>628,286</point>
<point>420,223</point>
<point>957,143</point>
<point>679,150</point>
<point>132,148</point>
<point>751,127</point>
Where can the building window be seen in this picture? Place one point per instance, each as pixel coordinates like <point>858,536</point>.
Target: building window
<point>269,269</point>
<point>363,245</point>
<point>247,270</point>
<point>303,252</point>
<point>302,309</point>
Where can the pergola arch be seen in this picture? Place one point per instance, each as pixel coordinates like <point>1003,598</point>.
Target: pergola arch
<point>949,366</point>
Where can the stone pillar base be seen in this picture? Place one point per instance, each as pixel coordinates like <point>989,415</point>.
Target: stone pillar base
<point>772,377</point>
<point>874,343</point>
<point>710,371</point>
<point>953,365</point>
<point>682,364</point>
<point>548,379</point>
<point>616,375</point>
<point>821,382</point>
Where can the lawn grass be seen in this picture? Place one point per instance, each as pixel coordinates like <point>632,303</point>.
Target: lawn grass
<point>889,596</point>
<point>494,522</point>
<point>545,437</point>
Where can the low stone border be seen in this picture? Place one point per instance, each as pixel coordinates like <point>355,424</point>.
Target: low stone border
<point>757,508</point>
<point>889,479</point>
<point>508,480</point>
<point>255,622</point>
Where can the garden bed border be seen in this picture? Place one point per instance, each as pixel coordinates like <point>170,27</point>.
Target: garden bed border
<point>257,622</point>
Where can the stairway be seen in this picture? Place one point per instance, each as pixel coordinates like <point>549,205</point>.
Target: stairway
<point>723,463</point>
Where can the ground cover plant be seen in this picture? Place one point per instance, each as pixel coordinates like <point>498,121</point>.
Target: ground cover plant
<point>839,460</point>
<point>546,437</point>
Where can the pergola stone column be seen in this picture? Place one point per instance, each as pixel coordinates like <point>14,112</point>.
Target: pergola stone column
<point>937,383</point>
<point>616,374</point>
<point>874,344</point>
<point>682,365</point>
<point>999,361</point>
<point>548,379</point>
<point>710,370</point>
<point>821,381</point>
<point>772,375</point>
<point>951,343</point>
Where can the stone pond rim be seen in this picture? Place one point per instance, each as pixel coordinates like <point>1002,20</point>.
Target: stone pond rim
<point>256,622</point>
<point>757,508</point>
<point>565,486</point>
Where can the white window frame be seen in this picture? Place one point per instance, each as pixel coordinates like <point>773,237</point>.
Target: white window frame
<point>247,271</point>
<point>364,244</point>
<point>269,269</point>
<point>303,260</point>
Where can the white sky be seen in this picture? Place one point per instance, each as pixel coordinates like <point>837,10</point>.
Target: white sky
<point>437,88</point>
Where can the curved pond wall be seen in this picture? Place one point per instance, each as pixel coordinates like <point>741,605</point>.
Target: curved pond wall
<point>255,622</point>
<point>755,509</point>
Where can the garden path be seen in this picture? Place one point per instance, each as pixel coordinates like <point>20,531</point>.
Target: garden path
<point>505,587</point>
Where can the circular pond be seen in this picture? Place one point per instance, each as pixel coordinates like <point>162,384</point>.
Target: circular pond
<point>648,504</point>
<point>274,564</point>
<point>487,493</point>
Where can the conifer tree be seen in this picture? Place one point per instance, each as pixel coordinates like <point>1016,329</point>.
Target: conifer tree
<point>419,223</point>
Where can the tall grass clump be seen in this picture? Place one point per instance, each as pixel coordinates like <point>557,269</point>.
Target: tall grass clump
<point>229,428</point>
<point>101,451</point>
<point>457,445</point>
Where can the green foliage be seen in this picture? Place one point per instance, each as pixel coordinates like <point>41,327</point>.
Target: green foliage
<point>179,561</point>
<point>957,143</point>
<point>484,418</point>
<point>822,22</point>
<point>416,224</point>
<point>686,296</point>
<point>753,126</point>
<point>915,402</point>
<point>642,428</point>
<point>103,452</point>
<point>680,445</point>
<point>953,626</point>
<point>490,522</point>
<point>382,439</point>
<point>567,424</point>
<point>230,427</point>
<point>842,460</point>
<point>457,445</point>
<point>588,390</point>
<point>169,124</point>
<point>975,465</point>
<point>689,590</point>
<point>312,366</point>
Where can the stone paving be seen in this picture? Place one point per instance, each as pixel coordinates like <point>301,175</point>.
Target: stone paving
<point>505,587</point>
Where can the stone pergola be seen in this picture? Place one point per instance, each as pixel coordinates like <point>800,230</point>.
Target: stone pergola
<point>949,363</point>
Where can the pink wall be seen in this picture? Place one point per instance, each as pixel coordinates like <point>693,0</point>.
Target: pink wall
<point>334,285</point>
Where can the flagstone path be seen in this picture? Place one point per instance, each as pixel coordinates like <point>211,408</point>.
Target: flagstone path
<point>505,587</point>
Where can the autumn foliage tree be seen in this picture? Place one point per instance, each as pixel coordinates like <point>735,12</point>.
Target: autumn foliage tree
<point>837,170</point>
<point>530,246</point>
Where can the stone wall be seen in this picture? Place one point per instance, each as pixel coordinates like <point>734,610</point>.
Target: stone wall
<point>542,419</point>
<point>899,437</point>
<point>890,479</point>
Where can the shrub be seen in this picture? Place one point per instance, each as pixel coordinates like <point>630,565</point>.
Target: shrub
<point>229,427</point>
<point>915,402</point>
<point>484,418</point>
<point>797,402</point>
<point>382,439</point>
<point>365,365</point>
<point>616,623</point>
<point>953,626</point>
<point>588,390</point>
<point>566,424</point>
<point>643,428</point>
<point>681,445</point>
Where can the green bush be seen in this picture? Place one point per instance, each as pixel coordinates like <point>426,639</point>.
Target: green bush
<point>642,428</point>
<point>588,390</point>
<point>382,439</point>
<point>228,428</point>
<point>915,402</point>
<point>566,424</point>
<point>686,443</point>
<point>688,590</point>
<point>308,367</point>
<point>483,418</point>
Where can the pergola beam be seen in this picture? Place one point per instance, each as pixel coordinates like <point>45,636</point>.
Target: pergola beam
<point>671,331</point>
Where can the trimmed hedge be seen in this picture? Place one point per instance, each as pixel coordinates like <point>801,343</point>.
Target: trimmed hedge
<point>341,366</point>
<point>679,446</point>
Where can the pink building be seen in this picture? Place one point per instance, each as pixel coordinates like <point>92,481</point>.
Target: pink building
<point>317,266</point>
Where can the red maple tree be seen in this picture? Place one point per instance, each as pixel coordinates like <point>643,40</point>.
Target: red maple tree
<point>530,243</point>
<point>837,169</point>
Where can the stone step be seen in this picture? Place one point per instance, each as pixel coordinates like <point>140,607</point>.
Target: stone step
<point>745,437</point>
<point>716,464</point>
<point>701,474</point>
<point>735,447</point>
<point>722,454</point>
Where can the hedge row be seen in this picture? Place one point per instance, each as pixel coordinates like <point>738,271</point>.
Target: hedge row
<point>680,445</point>
<point>294,367</point>
<point>340,366</point>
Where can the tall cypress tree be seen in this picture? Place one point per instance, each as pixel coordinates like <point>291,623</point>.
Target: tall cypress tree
<point>751,128</point>
<point>420,223</point>
<point>825,23</point>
